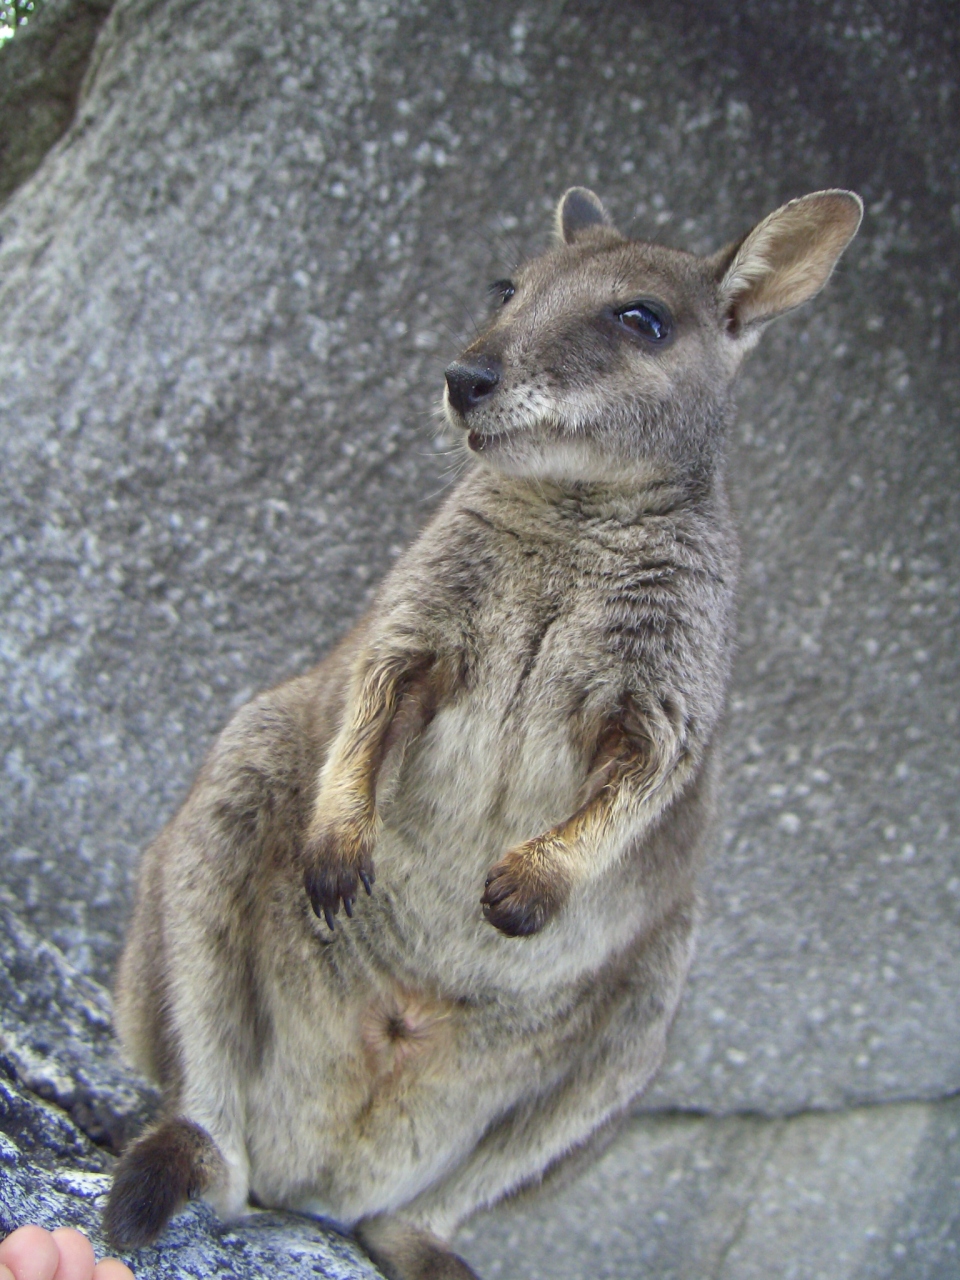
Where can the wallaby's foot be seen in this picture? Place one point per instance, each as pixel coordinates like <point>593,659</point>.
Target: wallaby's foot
<point>337,860</point>
<point>526,888</point>
<point>172,1163</point>
<point>30,1253</point>
<point>405,1252</point>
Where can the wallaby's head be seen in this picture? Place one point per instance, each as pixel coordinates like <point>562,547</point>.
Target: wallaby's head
<point>608,358</point>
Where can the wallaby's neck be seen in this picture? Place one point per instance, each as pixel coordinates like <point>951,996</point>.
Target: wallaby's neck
<point>621,502</point>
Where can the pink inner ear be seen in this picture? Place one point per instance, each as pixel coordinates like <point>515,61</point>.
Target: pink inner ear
<point>789,257</point>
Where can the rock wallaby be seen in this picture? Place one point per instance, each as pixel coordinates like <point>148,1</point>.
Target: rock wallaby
<point>511,754</point>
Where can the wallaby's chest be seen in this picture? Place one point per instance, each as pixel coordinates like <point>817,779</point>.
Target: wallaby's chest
<point>508,755</point>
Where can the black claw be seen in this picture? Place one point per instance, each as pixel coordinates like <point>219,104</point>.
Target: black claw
<point>348,907</point>
<point>514,921</point>
<point>496,893</point>
<point>328,916</point>
<point>367,881</point>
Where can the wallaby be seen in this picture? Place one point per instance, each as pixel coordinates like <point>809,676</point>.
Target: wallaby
<point>512,753</point>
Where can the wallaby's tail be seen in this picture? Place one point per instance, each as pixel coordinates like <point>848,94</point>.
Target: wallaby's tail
<point>171,1163</point>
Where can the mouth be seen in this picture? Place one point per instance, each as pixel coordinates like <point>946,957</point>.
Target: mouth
<point>480,443</point>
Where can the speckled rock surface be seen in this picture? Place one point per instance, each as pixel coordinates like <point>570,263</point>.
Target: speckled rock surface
<point>57,1040</point>
<point>226,301</point>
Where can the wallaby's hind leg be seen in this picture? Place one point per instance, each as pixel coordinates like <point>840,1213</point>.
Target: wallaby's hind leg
<point>405,1252</point>
<point>190,1007</point>
<point>171,1163</point>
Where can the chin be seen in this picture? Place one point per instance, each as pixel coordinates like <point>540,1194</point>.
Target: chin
<point>570,461</point>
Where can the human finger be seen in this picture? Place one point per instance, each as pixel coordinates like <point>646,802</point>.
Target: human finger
<point>76,1254</point>
<point>31,1254</point>
<point>112,1269</point>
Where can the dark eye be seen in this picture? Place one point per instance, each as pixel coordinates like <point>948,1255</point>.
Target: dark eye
<point>502,291</point>
<point>649,322</point>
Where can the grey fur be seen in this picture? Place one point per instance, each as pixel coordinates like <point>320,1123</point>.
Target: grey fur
<point>517,740</point>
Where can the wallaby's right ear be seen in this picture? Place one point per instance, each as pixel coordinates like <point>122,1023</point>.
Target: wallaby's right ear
<point>579,210</point>
<point>786,259</point>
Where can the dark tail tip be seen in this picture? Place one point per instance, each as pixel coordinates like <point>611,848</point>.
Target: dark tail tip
<point>169,1165</point>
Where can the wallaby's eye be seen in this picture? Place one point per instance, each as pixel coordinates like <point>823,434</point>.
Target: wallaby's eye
<point>652,323</point>
<point>502,291</point>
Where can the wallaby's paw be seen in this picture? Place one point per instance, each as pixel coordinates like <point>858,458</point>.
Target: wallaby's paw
<point>175,1162</point>
<point>525,889</point>
<point>336,862</point>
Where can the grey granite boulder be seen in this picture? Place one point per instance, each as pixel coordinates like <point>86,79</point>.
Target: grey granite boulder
<point>57,1040</point>
<point>226,300</point>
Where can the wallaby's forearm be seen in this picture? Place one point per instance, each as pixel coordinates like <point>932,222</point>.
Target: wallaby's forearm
<point>642,763</point>
<point>393,696</point>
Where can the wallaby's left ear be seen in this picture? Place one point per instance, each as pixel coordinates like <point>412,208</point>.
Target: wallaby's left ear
<point>579,210</point>
<point>787,258</point>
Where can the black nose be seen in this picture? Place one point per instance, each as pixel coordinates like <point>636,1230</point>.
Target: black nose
<point>470,381</point>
